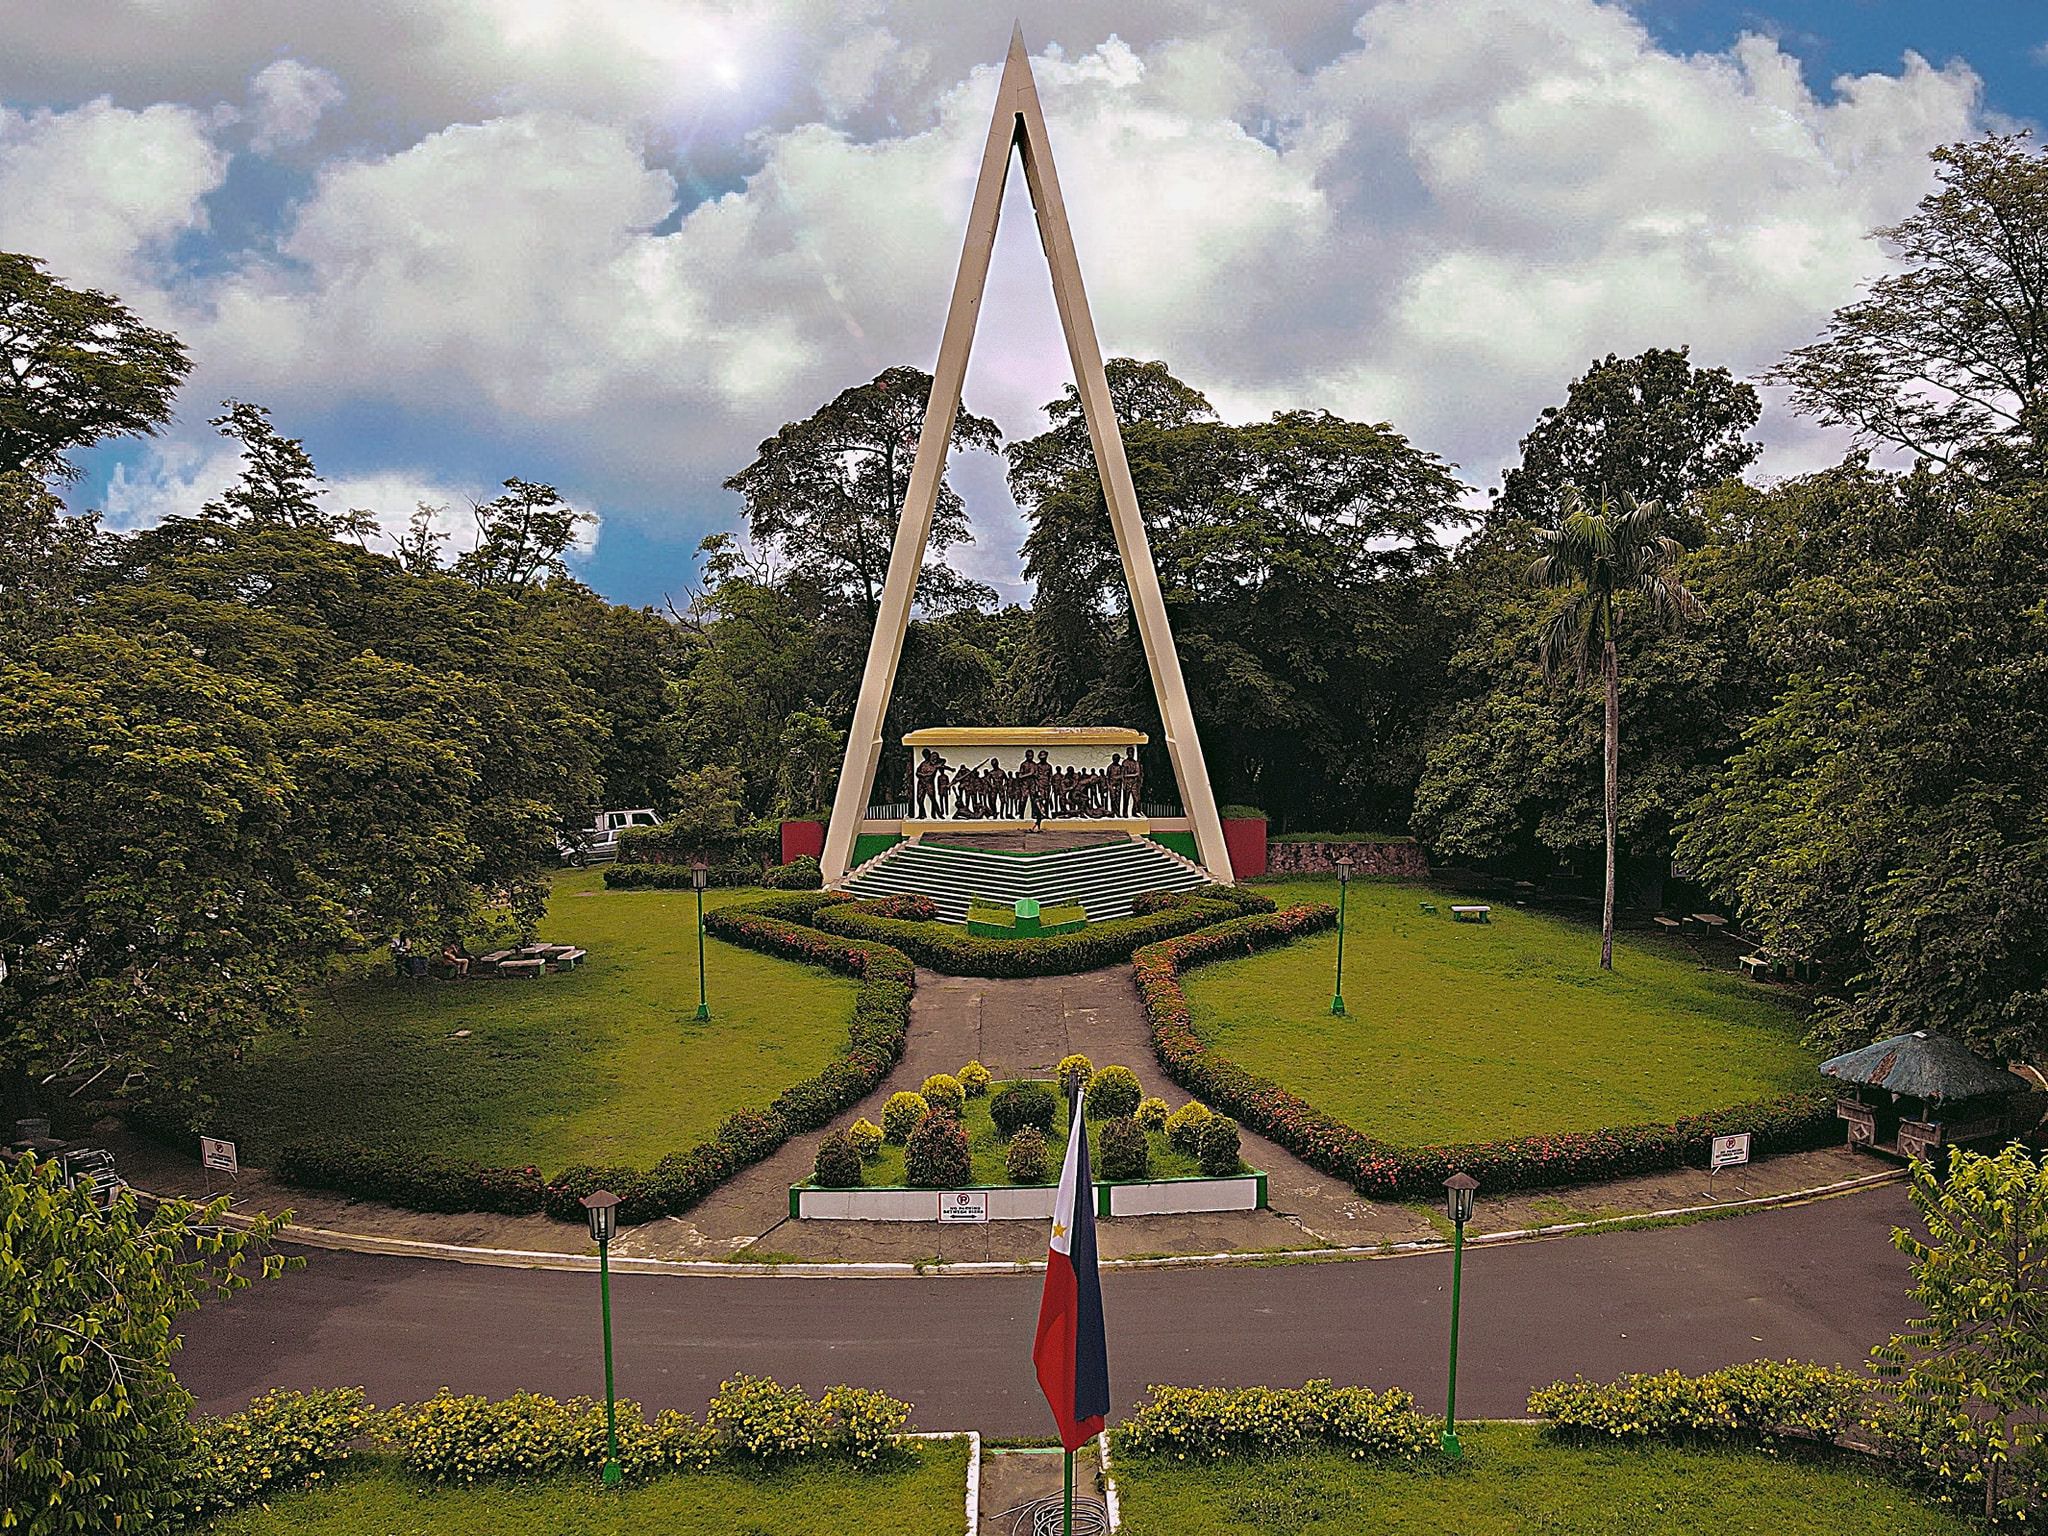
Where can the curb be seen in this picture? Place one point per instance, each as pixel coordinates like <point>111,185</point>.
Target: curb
<point>526,1258</point>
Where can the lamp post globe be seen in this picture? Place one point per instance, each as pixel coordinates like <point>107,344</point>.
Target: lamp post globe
<point>700,874</point>
<point>1343,903</point>
<point>602,1207</point>
<point>1459,1189</point>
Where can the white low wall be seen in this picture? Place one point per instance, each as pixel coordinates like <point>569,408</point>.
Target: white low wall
<point>1152,1197</point>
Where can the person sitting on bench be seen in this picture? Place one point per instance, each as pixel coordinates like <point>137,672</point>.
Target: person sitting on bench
<point>456,958</point>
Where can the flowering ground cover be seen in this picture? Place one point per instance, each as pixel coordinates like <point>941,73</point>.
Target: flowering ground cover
<point>1513,1480</point>
<point>1459,1032</point>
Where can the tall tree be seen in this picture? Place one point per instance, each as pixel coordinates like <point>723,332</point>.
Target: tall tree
<point>1604,556</point>
<point>278,487</point>
<point>1652,427</point>
<point>523,538</point>
<point>824,494</point>
<point>75,367</point>
<point>1295,556</point>
<point>1948,358</point>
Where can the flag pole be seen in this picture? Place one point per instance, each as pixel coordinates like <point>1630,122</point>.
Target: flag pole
<point>1067,1523</point>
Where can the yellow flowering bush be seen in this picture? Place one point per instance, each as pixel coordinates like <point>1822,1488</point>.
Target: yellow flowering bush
<point>1205,1423</point>
<point>866,1137</point>
<point>280,1440</point>
<point>1184,1126</point>
<point>974,1078</point>
<point>1760,1401</point>
<point>1074,1072</point>
<point>469,1439</point>
<point>1152,1114</point>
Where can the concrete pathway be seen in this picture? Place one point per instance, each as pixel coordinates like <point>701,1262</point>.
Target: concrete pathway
<point>1017,1028</point>
<point>1818,1282</point>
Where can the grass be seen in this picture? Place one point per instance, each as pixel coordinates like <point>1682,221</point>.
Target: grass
<point>607,1064</point>
<point>1463,1032</point>
<point>988,1151</point>
<point>921,1497</point>
<point>1512,1482</point>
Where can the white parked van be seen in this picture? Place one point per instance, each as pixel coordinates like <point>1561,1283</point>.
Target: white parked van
<point>598,843</point>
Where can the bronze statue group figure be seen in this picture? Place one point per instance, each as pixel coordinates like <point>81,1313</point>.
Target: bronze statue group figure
<point>1033,790</point>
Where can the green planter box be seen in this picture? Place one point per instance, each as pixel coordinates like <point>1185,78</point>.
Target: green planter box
<point>1026,920</point>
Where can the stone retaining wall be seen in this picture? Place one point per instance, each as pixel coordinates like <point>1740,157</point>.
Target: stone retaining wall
<point>1403,861</point>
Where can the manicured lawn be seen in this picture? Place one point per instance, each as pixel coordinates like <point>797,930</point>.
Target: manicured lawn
<point>607,1064</point>
<point>924,1496</point>
<point>989,1151</point>
<point>1471,1032</point>
<point>1514,1483</point>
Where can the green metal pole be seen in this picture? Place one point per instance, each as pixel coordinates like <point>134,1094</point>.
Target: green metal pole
<point>611,1410</point>
<point>703,1003</point>
<point>1067,1522</point>
<point>1451,1447</point>
<point>1343,901</point>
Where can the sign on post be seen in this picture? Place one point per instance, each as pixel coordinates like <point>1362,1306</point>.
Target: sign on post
<point>1729,1152</point>
<point>964,1205</point>
<point>218,1156</point>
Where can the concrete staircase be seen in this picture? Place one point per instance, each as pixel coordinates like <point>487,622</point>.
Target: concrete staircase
<point>1106,878</point>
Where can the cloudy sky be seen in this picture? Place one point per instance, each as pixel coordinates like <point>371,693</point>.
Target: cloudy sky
<point>614,243</point>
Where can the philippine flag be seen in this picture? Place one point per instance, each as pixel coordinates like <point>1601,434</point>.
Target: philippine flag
<point>1070,1352</point>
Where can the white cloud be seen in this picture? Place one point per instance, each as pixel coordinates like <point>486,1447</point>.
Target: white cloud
<point>288,99</point>
<point>637,235</point>
<point>99,192</point>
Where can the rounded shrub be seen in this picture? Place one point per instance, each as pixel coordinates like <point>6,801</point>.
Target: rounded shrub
<point>1125,1153</point>
<point>1151,1114</point>
<point>1074,1072</point>
<point>1021,1104</point>
<point>866,1137</point>
<point>1025,1161</point>
<point>974,1079</point>
<point>936,1156</point>
<point>1184,1126</point>
<point>1111,1092</point>
<point>903,1114</point>
<point>838,1163</point>
<point>1217,1146</point>
<point>942,1091</point>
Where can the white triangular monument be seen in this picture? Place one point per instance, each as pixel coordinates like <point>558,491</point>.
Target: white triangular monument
<point>1019,122</point>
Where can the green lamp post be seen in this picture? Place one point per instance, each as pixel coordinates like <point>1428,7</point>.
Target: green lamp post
<point>1343,901</point>
<point>1458,1190</point>
<point>699,873</point>
<point>602,1206</point>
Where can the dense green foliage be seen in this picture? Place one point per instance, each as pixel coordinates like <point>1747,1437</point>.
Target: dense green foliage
<point>95,1431</point>
<point>1968,1377</point>
<point>1514,1480</point>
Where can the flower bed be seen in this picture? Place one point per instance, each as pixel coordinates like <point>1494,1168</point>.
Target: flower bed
<point>949,948</point>
<point>1382,1170</point>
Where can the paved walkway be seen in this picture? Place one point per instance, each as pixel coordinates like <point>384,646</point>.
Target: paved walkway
<point>1017,1028</point>
<point>1818,1282</point>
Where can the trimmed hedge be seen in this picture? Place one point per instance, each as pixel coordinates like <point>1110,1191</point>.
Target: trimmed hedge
<point>281,1440</point>
<point>1795,1122</point>
<point>948,947</point>
<point>1213,1422</point>
<point>636,876</point>
<point>1757,1403</point>
<point>775,925</point>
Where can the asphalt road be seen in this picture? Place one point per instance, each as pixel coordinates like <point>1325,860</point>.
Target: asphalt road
<point>1818,1282</point>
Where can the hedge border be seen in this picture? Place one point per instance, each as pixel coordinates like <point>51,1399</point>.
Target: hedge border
<point>774,925</point>
<point>949,948</point>
<point>1382,1170</point>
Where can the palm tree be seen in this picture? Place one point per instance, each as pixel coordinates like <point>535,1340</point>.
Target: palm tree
<point>1607,553</point>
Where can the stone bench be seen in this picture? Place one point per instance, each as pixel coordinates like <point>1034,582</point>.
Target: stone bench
<point>526,968</point>
<point>1472,914</point>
